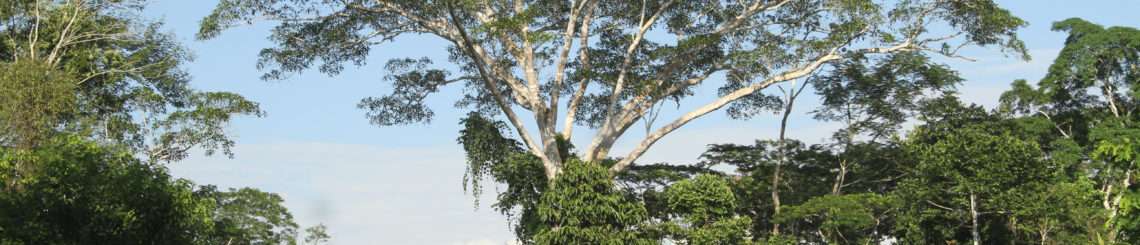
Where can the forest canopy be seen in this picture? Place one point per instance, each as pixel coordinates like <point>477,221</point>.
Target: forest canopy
<point>96,103</point>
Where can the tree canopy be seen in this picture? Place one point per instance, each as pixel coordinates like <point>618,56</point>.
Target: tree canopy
<point>94,101</point>
<point>605,65</point>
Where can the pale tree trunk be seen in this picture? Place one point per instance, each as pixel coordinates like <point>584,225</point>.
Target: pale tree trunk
<point>840,177</point>
<point>974,219</point>
<point>524,83</point>
<point>1114,206</point>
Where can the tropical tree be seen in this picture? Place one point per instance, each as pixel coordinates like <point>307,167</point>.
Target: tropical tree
<point>92,99</point>
<point>604,65</point>
<point>248,216</point>
<point>970,173</point>
<point>94,68</point>
<point>85,193</point>
<point>1088,100</point>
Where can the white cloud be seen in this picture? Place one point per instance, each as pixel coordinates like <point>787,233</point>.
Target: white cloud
<point>487,242</point>
<point>365,194</point>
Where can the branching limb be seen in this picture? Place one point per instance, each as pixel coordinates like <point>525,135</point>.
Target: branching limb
<point>584,59</point>
<point>488,83</point>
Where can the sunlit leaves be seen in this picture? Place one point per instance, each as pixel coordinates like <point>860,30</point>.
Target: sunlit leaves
<point>583,207</point>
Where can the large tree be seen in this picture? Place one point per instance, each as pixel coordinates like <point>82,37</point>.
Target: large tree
<point>1089,102</point>
<point>92,99</point>
<point>604,64</point>
<point>96,68</point>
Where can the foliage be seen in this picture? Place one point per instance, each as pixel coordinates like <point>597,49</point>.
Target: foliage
<point>705,206</point>
<point>876,100</point>
<point>84,193</point>
<point>248,216</point>
<point>34,100</point>
<point>534,58</point>
<point>94,68</point>
<point>842,219</point>
<point>316,235</point>
<point>92,98</point>
<point>583,207</point>
<point>491,154</point>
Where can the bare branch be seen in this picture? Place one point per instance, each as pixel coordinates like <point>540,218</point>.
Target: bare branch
<point>63,34</point>
<point>563,58</point>
<point>650,139</point>
<point>608,123</point>
<point>584,59</point>
<point>941,206</point>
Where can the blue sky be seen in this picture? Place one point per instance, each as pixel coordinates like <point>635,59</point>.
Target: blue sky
<point>403,185</point>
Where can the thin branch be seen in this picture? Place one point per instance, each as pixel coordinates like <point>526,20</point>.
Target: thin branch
<point>627,62</point>
<point>584,59</point>
<point>942,207</point>
<point>650,139</point>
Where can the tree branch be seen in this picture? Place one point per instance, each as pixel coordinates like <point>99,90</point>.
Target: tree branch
<point>584,59</point>
<point>608,123</point>
<point>488,83</point>
<point>650,139</point>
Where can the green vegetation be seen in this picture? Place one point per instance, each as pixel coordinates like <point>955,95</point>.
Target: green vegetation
<point>94,102</point>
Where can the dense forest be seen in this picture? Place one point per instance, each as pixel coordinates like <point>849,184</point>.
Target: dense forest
<point>95,103</point>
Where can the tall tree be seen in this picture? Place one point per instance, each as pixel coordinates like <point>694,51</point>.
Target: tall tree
<point>96,68</point>
<point>92,99</point>
<point>969,176</point>
<point>516,56</point>
<point>1089,99</point>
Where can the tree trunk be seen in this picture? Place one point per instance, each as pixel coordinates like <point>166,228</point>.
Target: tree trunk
<point>974,219</point>
<point>791,101</point>
<point>1114,206</point>
<point>837,187</point>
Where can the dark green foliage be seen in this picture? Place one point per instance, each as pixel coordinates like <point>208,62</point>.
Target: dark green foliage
<point>704,208</point>
<point>86,193</point>
<point>982,166</point>
<point>876,99</point>
<point>83,193</point>
<point>491,154</point>
<point>248,216</point>
<point>1084,112</point>
<point>582,206</point>
<point>841,219</point>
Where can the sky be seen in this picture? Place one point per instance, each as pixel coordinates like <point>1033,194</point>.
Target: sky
<point>404,184</point>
